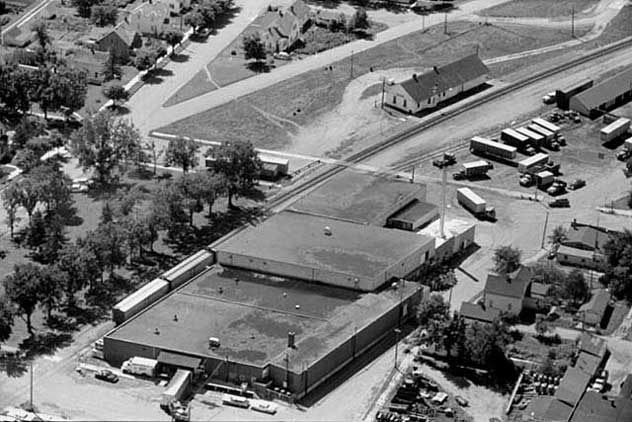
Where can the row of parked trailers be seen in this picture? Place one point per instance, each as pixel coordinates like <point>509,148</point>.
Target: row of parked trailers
<point>161,286</point>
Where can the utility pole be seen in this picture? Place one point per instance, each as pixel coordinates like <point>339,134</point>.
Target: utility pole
<point>31,386</point>
<point>546,221</point>
<point>423,23</point>
<point>351,64</point>
<point>412,177</point>
<point>573,22</point>
<point>445,23</point>
<point>383,89</point>
<point>444,182</point>
<point>397,331</point>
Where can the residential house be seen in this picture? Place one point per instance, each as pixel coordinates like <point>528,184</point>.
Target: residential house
<point>540,296</point>
<point>176,6</point>
<point>90,61</point>
<point>119,41</point>
<point>593,311</point>
<point>477,312</point>
<point>593,345</point>
<point>509,292</point>
<point>282,28</point>
<point>583,246</point>
<point>149,19</point>
<point>427,90</point>
<point>324,17</point>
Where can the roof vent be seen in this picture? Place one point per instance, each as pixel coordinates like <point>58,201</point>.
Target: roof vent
<point>327,231</point>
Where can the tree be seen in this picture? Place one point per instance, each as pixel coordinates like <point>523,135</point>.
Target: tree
<point>77,267</point>
<point>558,236</point>
<point>26,159</point>
<point>195,19</point>
<point>156,152</point>
<point>103,14</point>
<point>50,291</point>
<point>6,319</point>
<point>360,19</point>
<point>541,326</point>
<point>23,289</point>
<point>116,93</point>
<point>433,314</point>
<point>173,38</point>
<point>141,232</point>
<point>112,68</point>
<point>108,242</point>
<point>254,48</point>
<point>575,287</point>
<point>239,164</point>
<point>54,240</point>
<point>17,89</point>
<point>105,143</point>
<point>454,338</point>
<point>168,209</point>
<point>30,194</point>
<point>183,153</point>
<point>54,187</point>
<point>145,59</point>
<point>41,34</point>
<point>339,24</point>
<point>84,6</point>
<point>486,346</point>
<point>506,259</point>
<point>11,198</point>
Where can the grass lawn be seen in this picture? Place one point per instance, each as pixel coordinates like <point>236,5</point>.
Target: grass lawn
<point>538,8</point>
<point>231,66</point>
<point>530,348</point>
<point>95,98</point>
<point>320,90</point>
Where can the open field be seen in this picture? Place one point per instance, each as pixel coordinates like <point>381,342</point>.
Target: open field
<point>301,100</point>
<point>539,8</point>
<point>231,66</point>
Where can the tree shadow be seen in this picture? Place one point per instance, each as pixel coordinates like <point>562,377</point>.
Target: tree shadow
<point>156,76</point>
<point>180,58</point>
<point>120,110</point>
<point>258,67</point>
<point>223,20</point>
<point>13,366</point>
<point>70,217</point>
<point>46,343</point>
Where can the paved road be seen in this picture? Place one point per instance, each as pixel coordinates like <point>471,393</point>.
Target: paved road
<point>146,106</point>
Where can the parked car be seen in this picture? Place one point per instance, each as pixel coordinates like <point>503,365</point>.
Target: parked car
<point>560,203</point>
<point>264,407</point>
<point>461,401</point>
<point>576,184</point>
<point>549,98</point>
<point>106,375</point>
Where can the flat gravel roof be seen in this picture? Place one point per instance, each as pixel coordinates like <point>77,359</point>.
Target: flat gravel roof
<point>300,239</point>
<point>251,315</point>
<point>356,196</point>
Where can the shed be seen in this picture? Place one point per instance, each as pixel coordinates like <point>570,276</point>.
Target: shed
<point>178,360</point>
<point>588,363</point>
<point>592,312</point>
<point>594,345</point>
<point>572,386</point>
<point>605,95</point>
<point>413,216</point>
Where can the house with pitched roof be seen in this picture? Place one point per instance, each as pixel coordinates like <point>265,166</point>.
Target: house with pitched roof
<point>583,246</point>
<point>427,90</point>
<point>120,41</point>
<point>282,28</point>
<point>593,311</point>
<point>149,19</point>
<point>478,312</point>
<point>509,293</point>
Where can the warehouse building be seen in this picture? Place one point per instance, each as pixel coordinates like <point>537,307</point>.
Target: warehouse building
<point>604,96</point>
<point>439,84</point>
<point>563,96</point>
<point>325,250</point>
<point>360,197</point>
<point>273,332</point>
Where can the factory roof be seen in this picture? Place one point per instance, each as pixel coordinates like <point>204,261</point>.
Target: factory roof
<point>572,386</point>
<point>415,211</point>
<point>607,90</point>
<point>588,363</point>
<point>443,78</point>
<point>547,408</point>
<point>251,315</point>
<point>594,407</point>
<point>359,197</point>
<point>324,243</point>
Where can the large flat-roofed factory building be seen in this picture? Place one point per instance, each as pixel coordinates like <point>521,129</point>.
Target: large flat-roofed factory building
<point>287,302</point>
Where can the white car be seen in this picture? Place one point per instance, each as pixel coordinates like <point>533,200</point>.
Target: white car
<point>549,98</point>
<point>268,408</point>
<point>78,188</point>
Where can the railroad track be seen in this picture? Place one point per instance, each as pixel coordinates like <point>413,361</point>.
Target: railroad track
<point>330,170</point>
